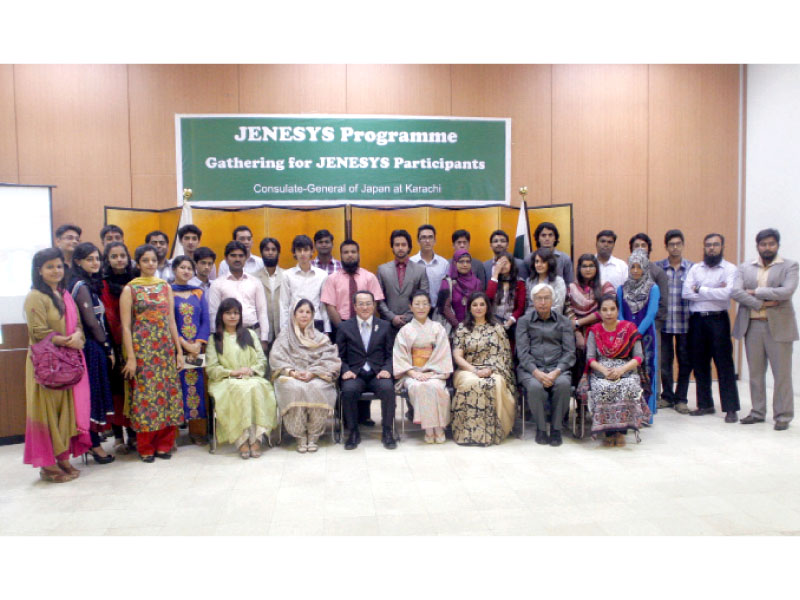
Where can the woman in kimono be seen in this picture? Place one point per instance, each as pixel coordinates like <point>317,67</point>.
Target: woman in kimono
<point>243,400</point>
<point>153,358</point>
<point>191,319</point>
<point>484,404</point>
<point>85,285</point>
<point>52,426</point>
<point>304,367</point>
<point>638,302</point>
<point>614,359</point>
<point>422,364</point>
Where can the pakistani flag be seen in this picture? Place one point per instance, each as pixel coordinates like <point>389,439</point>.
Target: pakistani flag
<point>186,219</point>
<point>522,243</point>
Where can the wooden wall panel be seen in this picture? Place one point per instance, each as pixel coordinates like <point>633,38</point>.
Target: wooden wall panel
<point>600,149</point>
<point>522,93</point>
<point>72,128</point>
<point>694,154</point>
<point>399,89</point>
<point>9,166</point>
<point>293,89</point>
<point>157,93</point>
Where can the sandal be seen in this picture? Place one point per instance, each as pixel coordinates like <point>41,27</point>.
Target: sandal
<point>244,450</point>
<point>428,439</point>
<point>255,450</point>
<point>120,447</point>
<point>69,469</point>
<point>302,445</point>
<point>54,476</point>
<point>440,438</point>
<point>312,446</point>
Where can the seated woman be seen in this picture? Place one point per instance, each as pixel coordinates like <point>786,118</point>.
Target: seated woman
<point>456,287</point>
<point>507,292</point>
<point>422,363</point>
<point>305,365</point>
<point>484,405</point>
<point>235,366</point>
<point>543,270</point>
<point>614,361</point>
<point>638,300</point>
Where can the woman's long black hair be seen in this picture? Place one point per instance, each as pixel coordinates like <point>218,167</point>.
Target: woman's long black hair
<point>117,281</point>
<point>37,281</point>
<point>597,289</point>
<point>511,277</point>
<point>95,282</point>
<point>469,321</point>
<point>243,337</point>
<point>546,255</point>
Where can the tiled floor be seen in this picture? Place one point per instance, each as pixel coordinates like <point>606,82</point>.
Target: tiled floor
<point>689,476</point>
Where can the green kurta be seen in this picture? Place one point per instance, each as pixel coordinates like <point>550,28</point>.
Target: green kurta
<point>239,403</point>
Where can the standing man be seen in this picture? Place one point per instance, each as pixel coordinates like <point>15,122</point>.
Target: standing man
<point>252,264</point>
<point>546,236</point>
<point>365,346</point>
<point>339,289</point>
<point>612,269</point>
<point>399,279</point>
<point>323,243</point>
<point>304,281</point>
<point>546,351</point>
<point>204,259</point>
<point>245,288</point>
<point>499,243</point>
<point>189,236</point>
<point>675,331</point>
<point>111,233</point>
<point>461,240</point>
<point>160,241</point>
<point>708,288</point>
<point>766,321</point>
<point>67,239</point>
<point>436,266</point>
<point>271,276</point>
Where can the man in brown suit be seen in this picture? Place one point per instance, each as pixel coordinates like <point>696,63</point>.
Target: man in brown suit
<point>766,321</point>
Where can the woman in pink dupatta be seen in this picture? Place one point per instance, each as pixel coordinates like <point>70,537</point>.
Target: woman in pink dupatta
<point>57,422</point>
<point>422,363</point>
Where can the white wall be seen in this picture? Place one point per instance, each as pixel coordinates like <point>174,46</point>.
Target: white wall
<point>772,172</point>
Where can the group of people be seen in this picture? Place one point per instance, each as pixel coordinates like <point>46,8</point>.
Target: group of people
<point>158,339</point>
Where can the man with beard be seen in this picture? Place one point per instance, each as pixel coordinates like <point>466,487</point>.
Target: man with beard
<point>160,241</point>
<point>498,241</point>
<point>399,279</point>
<point>708,288</point>
<point>766,321</point>
<point>271,276</point>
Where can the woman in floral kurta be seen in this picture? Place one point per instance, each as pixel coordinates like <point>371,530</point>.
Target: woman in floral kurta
<point>154,356</point>
<point>483,406</point>
<point>191,319</point>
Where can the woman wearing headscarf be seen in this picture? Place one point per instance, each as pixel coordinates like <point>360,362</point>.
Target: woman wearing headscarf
<point>304,366</point>
<point>456,287</point>
<point>638,301</point>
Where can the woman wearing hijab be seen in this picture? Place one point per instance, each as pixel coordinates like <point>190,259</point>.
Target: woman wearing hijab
<point>456,287</point>
<point>638,301</point>
<point>304,366</point>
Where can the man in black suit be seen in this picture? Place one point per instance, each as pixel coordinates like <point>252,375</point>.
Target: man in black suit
<point>365,347</point>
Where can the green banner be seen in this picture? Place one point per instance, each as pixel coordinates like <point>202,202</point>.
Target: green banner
<point>241,159</point>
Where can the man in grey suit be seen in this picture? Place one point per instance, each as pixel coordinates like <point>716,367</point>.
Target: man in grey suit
<point>499,243</point>
<point>766,321</point>
<point>399,279</point>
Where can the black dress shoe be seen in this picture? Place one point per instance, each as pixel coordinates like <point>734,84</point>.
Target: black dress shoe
<point>542,437</point>
<point>555,438</point>
<point>367,422</point>
<point>388,439</point>
<point>750,419</point>
<point>353,440</point>
<point>164,455</point>
<point>702,411</point>
<point>731,416</point>
<point>148,459</point>
<point>781,426</point>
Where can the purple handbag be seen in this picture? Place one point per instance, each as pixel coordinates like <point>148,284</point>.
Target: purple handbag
<point>56,367</point>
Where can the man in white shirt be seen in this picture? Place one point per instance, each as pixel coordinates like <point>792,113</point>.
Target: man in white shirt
<point>247,289</point>
<point>435,266</point>
<point>160,241</point>
<point>271,276</point>
<point>708,288</point>
<point>612,269</point>
<point>252,264</point>
<point>304,281</point>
